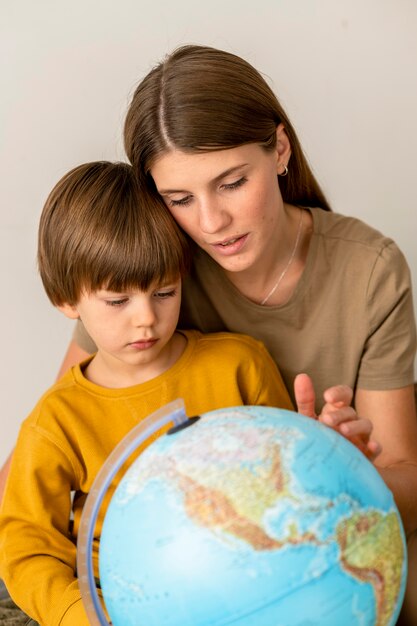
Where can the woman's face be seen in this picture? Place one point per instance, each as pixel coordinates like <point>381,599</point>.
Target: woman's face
<point>228,201</point>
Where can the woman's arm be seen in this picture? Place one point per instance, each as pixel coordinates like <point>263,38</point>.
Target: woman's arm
<point>393,415</point>
<point>73,355</point>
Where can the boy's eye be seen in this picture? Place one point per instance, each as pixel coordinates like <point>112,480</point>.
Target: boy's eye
<point>162,295</point>
<point>235,184</point>
<point>118,302</point>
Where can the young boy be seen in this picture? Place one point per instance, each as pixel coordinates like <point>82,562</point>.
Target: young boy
<point>111,255</point>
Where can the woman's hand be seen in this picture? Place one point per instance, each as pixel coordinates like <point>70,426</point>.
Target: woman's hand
<point>337,413</point>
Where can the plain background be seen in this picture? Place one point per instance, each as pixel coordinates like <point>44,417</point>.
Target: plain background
<point>344,70</point>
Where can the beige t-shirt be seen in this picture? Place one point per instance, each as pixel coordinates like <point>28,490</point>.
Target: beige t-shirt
<point>350,319</point>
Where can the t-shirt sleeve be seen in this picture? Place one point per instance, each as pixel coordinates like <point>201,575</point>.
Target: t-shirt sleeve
<point>83,339</point>
<point>388,357</point>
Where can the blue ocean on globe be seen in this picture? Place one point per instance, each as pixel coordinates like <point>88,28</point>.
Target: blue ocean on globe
<point>252,516</point>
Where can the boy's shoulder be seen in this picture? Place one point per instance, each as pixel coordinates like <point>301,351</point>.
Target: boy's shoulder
<point>60,393</point>
<point>226,342</point>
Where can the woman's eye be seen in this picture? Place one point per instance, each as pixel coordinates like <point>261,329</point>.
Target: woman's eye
<point>118,302</point>
<point>181,202</point>
<point>236,184</point>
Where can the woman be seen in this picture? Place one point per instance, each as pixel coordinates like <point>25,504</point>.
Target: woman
<point>327,294</point>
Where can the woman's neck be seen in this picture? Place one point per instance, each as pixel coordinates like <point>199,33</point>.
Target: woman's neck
<point>272,280</point>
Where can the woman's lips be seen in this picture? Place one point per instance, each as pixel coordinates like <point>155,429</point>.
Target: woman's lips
<point>230,246</point>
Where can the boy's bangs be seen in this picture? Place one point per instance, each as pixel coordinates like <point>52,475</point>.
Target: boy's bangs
<point>130,276</point>
<point>138,263</point>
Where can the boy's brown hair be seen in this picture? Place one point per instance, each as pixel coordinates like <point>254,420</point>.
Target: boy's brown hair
<point>100,229</point>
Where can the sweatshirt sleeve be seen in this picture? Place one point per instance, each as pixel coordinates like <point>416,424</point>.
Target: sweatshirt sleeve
<point>259,378</point>
<point>37,552</point>
<point>272,390</point>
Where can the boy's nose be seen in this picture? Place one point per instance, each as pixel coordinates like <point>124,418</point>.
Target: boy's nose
<point>144,315</point>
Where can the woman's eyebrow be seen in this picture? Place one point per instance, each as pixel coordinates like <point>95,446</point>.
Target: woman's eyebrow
<point>230,170</point>
<point>217,178</point>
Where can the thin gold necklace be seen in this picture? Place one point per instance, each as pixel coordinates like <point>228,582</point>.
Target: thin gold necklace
<point>290,260</point>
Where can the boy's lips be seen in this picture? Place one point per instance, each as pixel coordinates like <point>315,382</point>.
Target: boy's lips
<point>143,344</point>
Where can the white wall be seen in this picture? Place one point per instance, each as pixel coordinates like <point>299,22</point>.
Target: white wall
<point>345,70</point>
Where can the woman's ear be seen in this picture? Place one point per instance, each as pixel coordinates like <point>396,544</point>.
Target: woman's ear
<point>283,149</point>
<point>69,311</point>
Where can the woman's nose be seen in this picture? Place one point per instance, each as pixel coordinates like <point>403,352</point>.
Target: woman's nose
<point>213,217</point>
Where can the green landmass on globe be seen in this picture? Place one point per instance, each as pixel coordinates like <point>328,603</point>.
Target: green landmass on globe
<point>365,530</point>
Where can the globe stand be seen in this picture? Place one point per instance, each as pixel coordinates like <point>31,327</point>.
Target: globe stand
<point>172,414</point>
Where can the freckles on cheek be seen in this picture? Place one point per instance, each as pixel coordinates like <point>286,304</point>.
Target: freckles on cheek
<point>178,218</point>
<point>188,227</point>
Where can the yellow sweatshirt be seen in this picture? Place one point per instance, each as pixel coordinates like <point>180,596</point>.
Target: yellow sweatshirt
<point>68,436</point>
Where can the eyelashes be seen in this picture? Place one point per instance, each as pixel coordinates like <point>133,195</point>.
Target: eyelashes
<point>163,295</point>
<point>226,186</point>
<point>160,295</point>
<point>181,202</point>
<point>116,303</point>
<point>236,184</point>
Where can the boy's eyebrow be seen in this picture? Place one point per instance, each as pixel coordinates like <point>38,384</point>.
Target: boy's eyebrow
<point>219,177</point>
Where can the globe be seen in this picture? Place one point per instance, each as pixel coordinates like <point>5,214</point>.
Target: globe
<point>252,516</point>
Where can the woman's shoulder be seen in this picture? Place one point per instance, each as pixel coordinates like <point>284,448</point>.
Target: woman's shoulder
<point>357,262</point>
<point>335,226</point>
<point>366,246</point>
<point>349,240</point>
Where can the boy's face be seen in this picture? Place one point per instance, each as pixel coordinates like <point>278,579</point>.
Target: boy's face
<point>133,332</point>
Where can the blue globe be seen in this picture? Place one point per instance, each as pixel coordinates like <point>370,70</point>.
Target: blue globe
<point>252,516</point>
